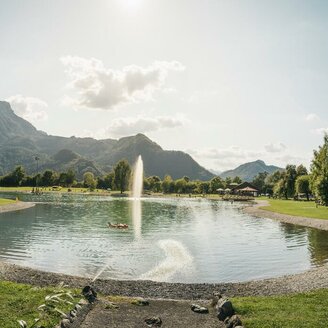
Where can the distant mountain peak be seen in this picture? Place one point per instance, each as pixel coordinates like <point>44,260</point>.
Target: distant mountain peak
<point>248,171</point>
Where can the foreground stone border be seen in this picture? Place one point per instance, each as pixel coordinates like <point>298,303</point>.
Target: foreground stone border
<point>255,210</point>
<point>310,280</point>
<point>17,206</point>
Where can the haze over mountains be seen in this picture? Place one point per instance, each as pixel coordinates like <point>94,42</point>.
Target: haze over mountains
<point>21,142</point>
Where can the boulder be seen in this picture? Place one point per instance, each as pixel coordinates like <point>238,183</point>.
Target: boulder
<point>224,308</point>
<point>153,322</point>
<point>233,322</point>
<point>199,309</point>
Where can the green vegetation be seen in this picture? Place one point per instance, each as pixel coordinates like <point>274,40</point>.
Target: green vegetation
<point>304,208</point>
<point>21,302</point>
<point>6,201</point>
<point>306,310</point>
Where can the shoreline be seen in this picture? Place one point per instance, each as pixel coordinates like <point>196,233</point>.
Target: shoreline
<point>313,279</point>
<point>254,209</point>
<point>17,206</point>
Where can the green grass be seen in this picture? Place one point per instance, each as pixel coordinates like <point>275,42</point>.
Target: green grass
<point>307,310</point>
<point>297,208</point>
<point>20,302</point>
<point>4,201</point>
<point>49,189</point>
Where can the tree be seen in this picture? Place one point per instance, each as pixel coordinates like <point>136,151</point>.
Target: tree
<point>259,181</point>
<point>48,178</point>
<point>154,183</point>
<point>301,170</point>
<point>122,172</point>
<point>319,172</point>
<point>290,179</point>
<point>237,180</point>
<point>180,186</point>
<point>302,185</point>
<point>215,184</point>
<point>89,180</point>
<point>167,184</point>
<point>227,182</point>
<point>70,177</point>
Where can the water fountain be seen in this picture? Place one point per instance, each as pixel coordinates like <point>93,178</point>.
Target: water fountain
<point>136,194</point>
<point>137,186</point>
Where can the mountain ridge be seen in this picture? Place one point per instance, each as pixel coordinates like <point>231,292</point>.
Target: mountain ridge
<point>20,142</point>
<point>248,171</point>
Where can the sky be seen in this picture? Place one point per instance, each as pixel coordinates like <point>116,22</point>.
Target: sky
<point>228,81</point>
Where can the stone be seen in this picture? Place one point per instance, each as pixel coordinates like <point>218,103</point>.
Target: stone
<point>153,322</point>
<point>73,313</point>
<point>64,323</point>
<point>140,302</point>
<point>89,293</point>
<point>199,309</point>
<point>77,307</point>
<point>82,302</point>
<point>232,322</point>
<point>225,309</point>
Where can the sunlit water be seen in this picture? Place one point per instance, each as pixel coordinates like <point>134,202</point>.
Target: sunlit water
<point>181,240</point>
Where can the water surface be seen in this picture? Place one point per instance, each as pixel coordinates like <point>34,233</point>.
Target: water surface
<point>179,240</point>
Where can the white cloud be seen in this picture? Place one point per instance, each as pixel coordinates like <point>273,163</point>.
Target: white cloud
<point>105,88</point>
<point>312,117</point>
<point>275,148</point>
<point>320,131</point>
<point>30,108</point>
<point>232,152</point>
<point>132,125</point>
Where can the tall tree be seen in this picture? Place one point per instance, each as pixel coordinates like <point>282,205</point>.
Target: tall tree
<point>122,172</point>
<point>319,172</point>
<point>167,184</point>
<point>302,185</point>
<point>259,181</point>
<point>89,180</point>
<point>290,179</point>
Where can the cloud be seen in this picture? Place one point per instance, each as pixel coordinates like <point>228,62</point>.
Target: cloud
<point>312,117</point>
<point>30,108</point>
<point>320,131</point>
<point>275,148</point>
<point>105,88</point>
<point>232,152</point>
<point>132,125</point>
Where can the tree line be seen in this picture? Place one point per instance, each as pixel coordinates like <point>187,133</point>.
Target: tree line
<point>295,180</point>
<point>287,183</point>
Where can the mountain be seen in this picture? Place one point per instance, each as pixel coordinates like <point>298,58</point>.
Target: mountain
<point>21,142</point>
<point>249,170</point>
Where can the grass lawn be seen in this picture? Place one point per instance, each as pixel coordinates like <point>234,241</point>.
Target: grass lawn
<point>49,189</point>
<point>297,208</point>
<point>4,201</point>
<point>305,310</point>
<point>20,302</point>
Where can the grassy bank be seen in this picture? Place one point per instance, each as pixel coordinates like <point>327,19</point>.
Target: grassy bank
<point>297,208</point>
<point>49,189</point>
<point>20,302</point>
<point>6,201</point>
<point>305,310</point>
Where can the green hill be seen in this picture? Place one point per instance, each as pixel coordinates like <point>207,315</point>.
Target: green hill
<point>249,170</point>
<point>20,142</point>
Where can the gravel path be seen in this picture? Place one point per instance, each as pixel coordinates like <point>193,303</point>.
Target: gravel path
<point>313,279</point>
<point>297,220</point>
<point>17,206</point>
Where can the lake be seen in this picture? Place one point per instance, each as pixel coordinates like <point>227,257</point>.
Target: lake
<point>168,239</point>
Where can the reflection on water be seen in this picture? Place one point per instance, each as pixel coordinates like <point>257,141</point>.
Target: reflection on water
<point>187,240</point>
